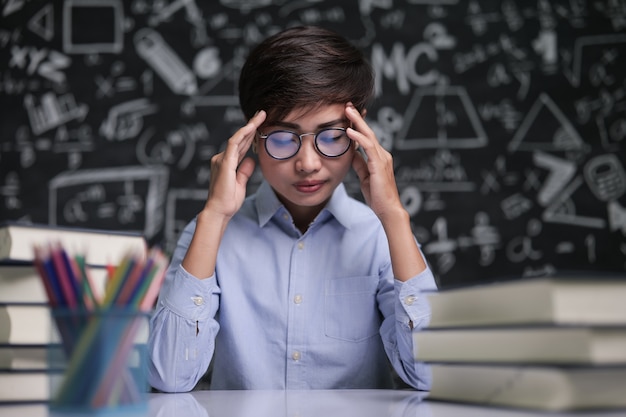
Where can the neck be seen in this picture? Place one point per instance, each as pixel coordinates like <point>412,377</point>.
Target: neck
<point>303,216</point>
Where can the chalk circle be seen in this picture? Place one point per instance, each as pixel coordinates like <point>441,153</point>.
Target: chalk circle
<point>207,62</point>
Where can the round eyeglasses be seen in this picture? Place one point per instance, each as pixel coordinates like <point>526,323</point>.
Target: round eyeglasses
<point>283,144</point>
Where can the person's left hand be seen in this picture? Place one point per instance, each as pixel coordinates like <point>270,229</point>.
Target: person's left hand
<point>375,172</point>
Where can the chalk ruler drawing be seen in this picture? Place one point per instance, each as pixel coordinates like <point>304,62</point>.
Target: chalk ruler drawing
<point>161,57</point>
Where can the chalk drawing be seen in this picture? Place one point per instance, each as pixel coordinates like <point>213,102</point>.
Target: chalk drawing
<point>161,57</point>
<point>563,209</point>
<point>561,172</point>
<point>546,128</point>
<point>585,43</point>
<point>605,176</point>
<point>612,127</point>
<point>617,217</point>
<point>497,114</point>
<point>110,12</point>
<point>443,172</point>
<point>42,23</point>
<point>53,111</point>
<point>182,205</point>
<point>521,249</point>
<point>515,206</point>
<point>456,122</point>
<point>131,197</point>
<point>125,120</point>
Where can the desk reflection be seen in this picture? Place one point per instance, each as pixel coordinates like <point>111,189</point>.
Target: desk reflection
<point>314,403</point>
<point>330,403</point>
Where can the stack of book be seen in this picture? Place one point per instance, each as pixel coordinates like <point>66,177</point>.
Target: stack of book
<point>26,327</point>
<point>555,344</point>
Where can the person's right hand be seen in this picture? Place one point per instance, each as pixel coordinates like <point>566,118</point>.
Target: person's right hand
<point>231,169</point>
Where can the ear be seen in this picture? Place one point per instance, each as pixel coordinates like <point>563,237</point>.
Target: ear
<point>363,113</point>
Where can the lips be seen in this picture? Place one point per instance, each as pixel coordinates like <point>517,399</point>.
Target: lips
<point>308,186</point>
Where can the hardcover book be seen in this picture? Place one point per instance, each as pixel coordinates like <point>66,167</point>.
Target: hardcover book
<point>100,247</point>
<point>553,388</point>
<point>594,300</point>
<point>523,344</point>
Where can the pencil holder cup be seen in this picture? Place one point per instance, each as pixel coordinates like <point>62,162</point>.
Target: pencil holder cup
<point>97,362</point>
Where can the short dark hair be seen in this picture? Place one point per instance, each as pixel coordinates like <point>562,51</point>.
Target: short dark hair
<point>300,67</point>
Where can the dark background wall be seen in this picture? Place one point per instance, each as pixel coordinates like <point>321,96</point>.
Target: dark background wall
<point>507,119</point>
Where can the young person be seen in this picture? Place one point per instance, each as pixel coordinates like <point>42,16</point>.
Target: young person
<point>297,286</point>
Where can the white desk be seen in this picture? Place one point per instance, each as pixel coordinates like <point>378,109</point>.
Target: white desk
<point>331,403</point>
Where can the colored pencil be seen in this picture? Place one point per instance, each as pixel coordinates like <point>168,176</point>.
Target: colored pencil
<point>131,291</point>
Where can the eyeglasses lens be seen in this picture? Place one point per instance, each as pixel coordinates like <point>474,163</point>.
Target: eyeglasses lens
<point>282,144</point>
<point>332,142</point>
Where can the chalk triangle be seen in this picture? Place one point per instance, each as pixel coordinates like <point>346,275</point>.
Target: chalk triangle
<point>42,23</point>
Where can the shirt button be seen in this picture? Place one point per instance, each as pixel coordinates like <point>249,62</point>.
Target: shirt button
<point>297,299</point>
<point>286,216</point>
<point>300,245</point>
<point>197,300</point>
<point>295,356</point>
<point>409,300</point>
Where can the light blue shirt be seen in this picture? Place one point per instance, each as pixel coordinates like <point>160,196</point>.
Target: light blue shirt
<point>286,310</point>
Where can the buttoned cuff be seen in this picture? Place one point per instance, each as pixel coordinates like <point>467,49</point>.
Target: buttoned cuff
<point>189,296</point>
<point>413,305</point>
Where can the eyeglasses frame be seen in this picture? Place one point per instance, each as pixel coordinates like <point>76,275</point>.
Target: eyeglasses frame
<point>299,136</point>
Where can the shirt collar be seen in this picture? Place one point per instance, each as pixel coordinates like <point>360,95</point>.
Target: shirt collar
<point>267,204</point>
<point>339,206</point>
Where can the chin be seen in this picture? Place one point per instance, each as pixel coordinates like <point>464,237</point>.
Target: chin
<point>309,200</point>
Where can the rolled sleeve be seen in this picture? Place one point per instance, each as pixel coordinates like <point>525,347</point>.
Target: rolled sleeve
<point>182,331</point>
<point>413,306</point>
<point>188,296</point>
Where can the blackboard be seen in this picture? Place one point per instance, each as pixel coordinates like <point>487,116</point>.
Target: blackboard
<point>506,119</point>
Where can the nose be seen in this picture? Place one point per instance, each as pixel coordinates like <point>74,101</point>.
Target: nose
<point>308,159</point>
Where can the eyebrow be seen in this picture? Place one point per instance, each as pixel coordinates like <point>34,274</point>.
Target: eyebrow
<point>296,126</point>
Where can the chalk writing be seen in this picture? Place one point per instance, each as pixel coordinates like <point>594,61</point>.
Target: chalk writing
<point>506,120</point>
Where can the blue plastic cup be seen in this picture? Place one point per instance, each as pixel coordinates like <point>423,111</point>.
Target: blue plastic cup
<point>98,363</point>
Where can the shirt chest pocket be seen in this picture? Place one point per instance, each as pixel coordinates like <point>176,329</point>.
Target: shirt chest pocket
<point>350,310</point>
